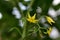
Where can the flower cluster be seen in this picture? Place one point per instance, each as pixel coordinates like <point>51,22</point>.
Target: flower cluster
<point>32,19</point>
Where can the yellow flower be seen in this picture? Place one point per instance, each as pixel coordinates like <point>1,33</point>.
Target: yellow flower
<point>32,19</point>
<point>49,31</point>
<point>50,20</point>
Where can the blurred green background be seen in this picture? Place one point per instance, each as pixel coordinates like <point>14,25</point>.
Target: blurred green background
<point>12,13</point>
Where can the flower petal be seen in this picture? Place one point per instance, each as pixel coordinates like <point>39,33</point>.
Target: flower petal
<point>49,31</point>
<point>50,20</point>
<point>29,15</point>
<point>33,17</point>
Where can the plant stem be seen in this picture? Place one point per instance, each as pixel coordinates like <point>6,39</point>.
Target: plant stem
<point>16,29</point>
<point>32,1</point>
<point>30,5</point>
<point>38,25</point>
<point>24,31</point>
<point>39,32</point>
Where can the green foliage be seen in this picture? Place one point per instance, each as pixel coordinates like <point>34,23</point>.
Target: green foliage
<point>9,25</point>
